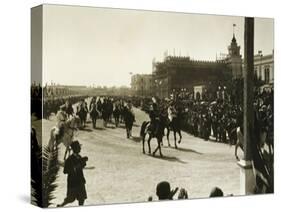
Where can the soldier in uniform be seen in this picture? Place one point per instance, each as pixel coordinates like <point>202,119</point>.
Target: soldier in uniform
<point>153,114</point>
<point>68,108</point>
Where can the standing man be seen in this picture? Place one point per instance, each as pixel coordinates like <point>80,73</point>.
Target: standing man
<point>73,167</point>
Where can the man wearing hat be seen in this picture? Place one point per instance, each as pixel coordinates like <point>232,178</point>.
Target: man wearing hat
<point>73,167</point>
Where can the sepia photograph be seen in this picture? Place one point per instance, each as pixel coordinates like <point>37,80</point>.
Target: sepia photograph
<point>135,106</point>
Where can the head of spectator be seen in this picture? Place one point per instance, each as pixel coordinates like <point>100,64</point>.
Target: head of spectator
<point>76,147</point>
<point>183,194</point>
<point>216,192</point>
<point>164,192</point>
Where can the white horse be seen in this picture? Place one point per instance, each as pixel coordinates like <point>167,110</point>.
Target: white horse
<point>69,127</point>
<point>240,141</point>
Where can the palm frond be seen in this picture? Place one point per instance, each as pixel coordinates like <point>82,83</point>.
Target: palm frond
<point>36,177</point>
<point>50,168</point>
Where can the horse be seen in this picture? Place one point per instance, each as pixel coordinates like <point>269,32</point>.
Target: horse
<point>157,132</point>
<point>69,127</point>
<point>94,114</point>
<point>262,169</point>
<point>173,123</point>
<point>129,119</point>
<point>232,132</point>
<point>117,114</point>
<point>82,112</point>
<point>261,135</point>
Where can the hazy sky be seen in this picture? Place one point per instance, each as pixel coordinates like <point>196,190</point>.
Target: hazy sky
<point>86,46</point>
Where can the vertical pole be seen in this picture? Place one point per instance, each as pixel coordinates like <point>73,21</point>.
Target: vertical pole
<point>247,180</point>
<point>248,85</point>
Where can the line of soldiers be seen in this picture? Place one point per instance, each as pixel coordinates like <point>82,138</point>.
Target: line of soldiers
<point>52,105</point>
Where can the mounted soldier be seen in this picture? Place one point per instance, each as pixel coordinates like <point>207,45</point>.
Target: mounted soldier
<point>153,115</point>
<point>61,119</point>
<point>93,112</point>
<point>82,112</point>
<point>68,108</point>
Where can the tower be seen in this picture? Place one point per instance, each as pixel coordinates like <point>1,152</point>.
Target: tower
<point>234,59</point>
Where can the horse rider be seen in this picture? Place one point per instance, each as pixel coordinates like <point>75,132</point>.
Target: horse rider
<point>68,108</point>
<point>130,107</point>
<point>93,112</point>
<point>172,112</point>
<point>61,118</point>
<point>153,115</point>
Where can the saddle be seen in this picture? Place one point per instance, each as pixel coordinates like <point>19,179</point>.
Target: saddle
<point>153,127</point>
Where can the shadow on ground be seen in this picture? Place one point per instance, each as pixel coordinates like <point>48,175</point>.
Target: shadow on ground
<point>99,128</point>
<point>86,130</point>
<point>168,158</point>
<point>136,139</point>
<point>187,150</point>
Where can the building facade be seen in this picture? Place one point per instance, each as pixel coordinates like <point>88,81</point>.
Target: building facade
<point>264,67</point>
<point>177,74</point>
<point>181,74</point>
<point>141,85</point>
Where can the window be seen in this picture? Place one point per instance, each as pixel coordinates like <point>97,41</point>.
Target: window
<point>266,74</point>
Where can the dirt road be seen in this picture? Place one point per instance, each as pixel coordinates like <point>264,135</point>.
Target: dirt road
<point>118,171</point>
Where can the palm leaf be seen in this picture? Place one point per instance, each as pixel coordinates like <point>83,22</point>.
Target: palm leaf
<point>50,168</point>
<point>36,178</point>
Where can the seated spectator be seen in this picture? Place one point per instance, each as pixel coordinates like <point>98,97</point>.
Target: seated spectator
<point>164,192</point>
<point>216,192</point>
<point>183,194</point>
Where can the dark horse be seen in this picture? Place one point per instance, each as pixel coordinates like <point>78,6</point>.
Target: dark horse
<point>174,125</point>
<point>129,119</point>
<point>82,113</point>
<point>153,132</point>
<point>117,114</point>
<point>94,114</point>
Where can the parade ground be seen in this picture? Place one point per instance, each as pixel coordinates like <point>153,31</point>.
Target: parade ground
<point>118,172</point>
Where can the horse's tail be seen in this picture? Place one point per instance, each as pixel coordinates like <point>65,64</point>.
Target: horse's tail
<point>143,127</point>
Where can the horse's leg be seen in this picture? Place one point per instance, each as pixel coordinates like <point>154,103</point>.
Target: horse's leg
<point>65,153</point>
<point>148,142</point>
<point>175,138</point>
<point>168,134</point>
<point>143,141</point>
<point>156,148</point>
<point>179,131</point>
<point>236,147</point>
<point>159,146</point>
